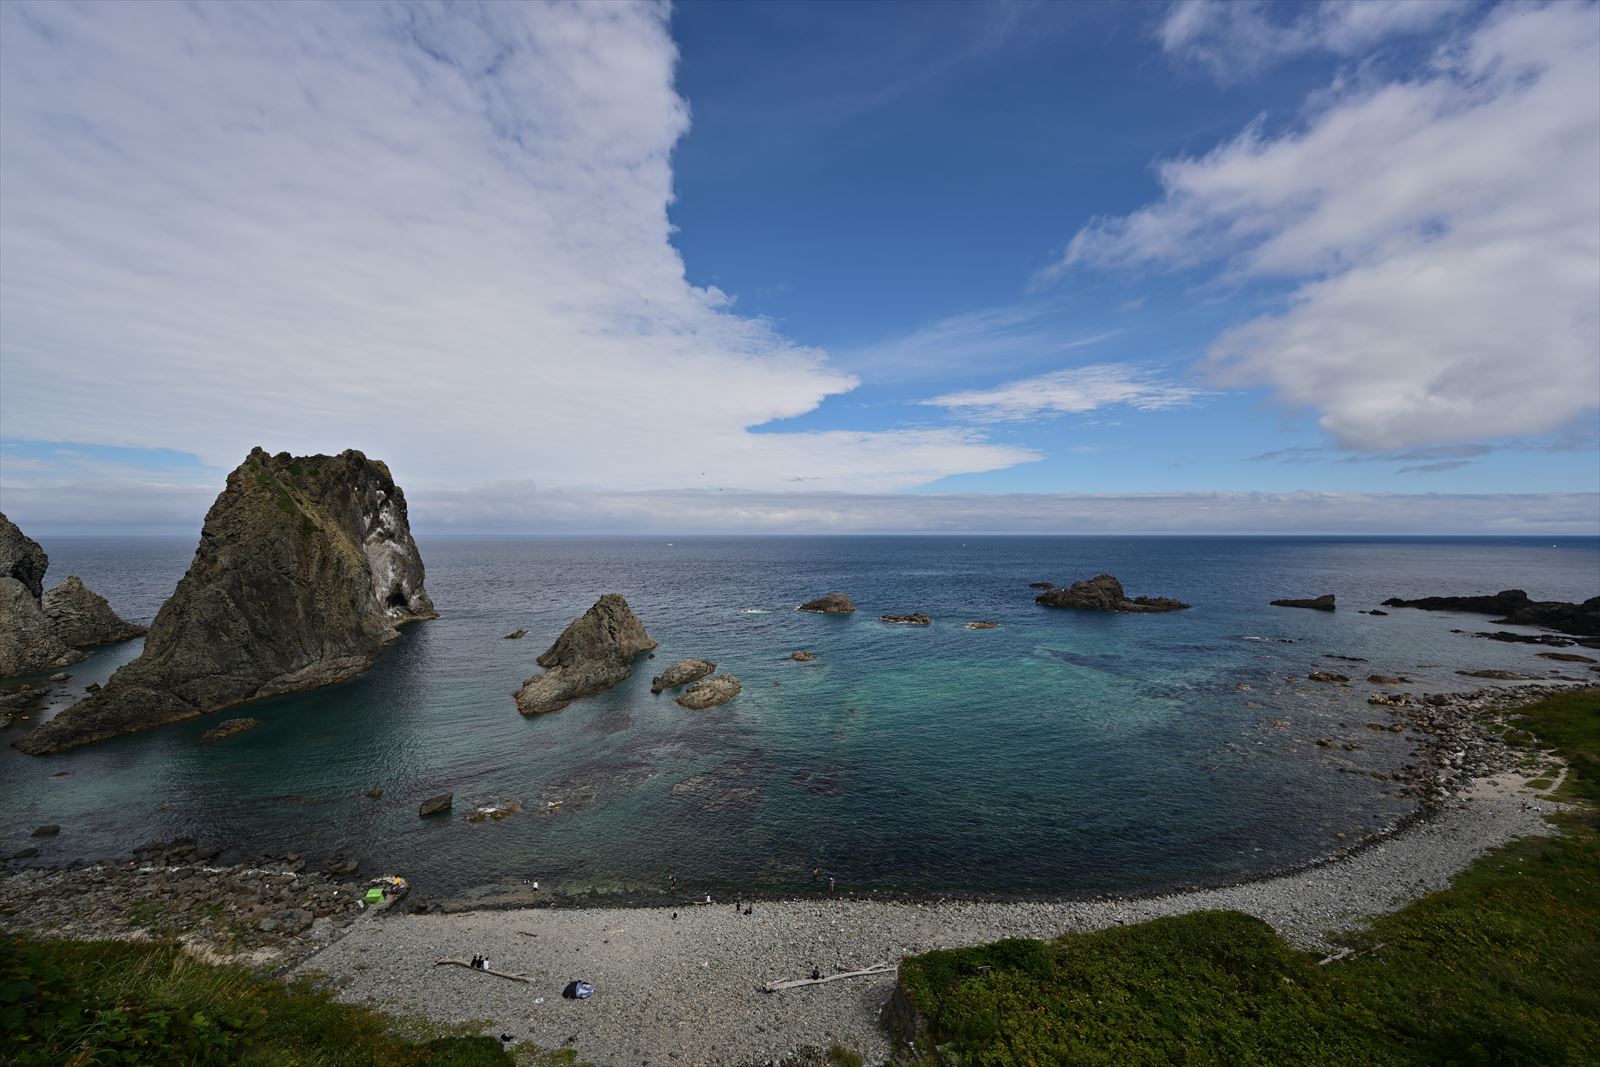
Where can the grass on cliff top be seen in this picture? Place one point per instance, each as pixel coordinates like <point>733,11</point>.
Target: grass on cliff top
<point>1502,968</point>
<point>83,1003</point>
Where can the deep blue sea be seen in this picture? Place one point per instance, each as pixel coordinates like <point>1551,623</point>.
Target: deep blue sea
<point>1064,753</point>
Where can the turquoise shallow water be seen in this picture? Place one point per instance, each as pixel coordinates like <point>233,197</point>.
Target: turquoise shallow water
<point>1063,753</point>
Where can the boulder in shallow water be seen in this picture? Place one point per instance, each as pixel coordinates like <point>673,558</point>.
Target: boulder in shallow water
<point>710,693</point>
<point>229,727</point>
<point>830,604</point>
<point>1104,593</point>
<point>1041,585</point>
<point>983,626</point>
<point>305,569</point>
<point>907,620</point>
<point>1319,603</point>
<point>515,635</point>
<point>1326,676</point>
<point>593,653</point>
<point>1501,676</point>
<point>681,674</point>
<point>435,805</point>
<point>802,657</point>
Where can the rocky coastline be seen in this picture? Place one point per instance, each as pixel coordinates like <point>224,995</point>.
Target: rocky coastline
<point>305,569</point>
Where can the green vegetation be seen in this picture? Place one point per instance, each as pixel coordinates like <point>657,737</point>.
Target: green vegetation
<point>1502,968</point>
<point>116,1002</point>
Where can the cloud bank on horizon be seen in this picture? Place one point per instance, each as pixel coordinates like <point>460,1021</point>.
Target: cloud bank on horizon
<point>442,234</point>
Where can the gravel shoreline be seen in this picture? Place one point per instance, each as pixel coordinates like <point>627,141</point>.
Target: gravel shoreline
<point>682,986</point>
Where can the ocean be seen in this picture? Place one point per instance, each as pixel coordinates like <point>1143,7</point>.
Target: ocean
<point>1061,754</point>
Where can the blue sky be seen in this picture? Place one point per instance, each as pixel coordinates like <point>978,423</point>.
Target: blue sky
<point>790,266</point>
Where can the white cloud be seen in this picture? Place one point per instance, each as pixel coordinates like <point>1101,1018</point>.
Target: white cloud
<point>1072,391</point>
<point>1233,38</point>
<point>1443,235</point>
<point>439,235</point>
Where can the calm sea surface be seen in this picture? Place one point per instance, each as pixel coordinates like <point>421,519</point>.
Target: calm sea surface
<point>1062,753</point>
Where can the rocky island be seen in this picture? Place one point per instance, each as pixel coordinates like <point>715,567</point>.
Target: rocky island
<point>593,653</point>
<point>41,630</point>
<point>1104,593</point>
<point>1319,603</point>
<point>831,604</point>
<point>305,569</point>
<point>681,674</point>
<point>1516,608</point>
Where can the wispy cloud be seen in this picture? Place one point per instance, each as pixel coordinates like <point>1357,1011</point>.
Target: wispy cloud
<point>1236,38</point>
<point>520,506</point>
<point>1070,392</point>
<point>1442,235</point>
<point>436,233</point>
<point>984,341</point>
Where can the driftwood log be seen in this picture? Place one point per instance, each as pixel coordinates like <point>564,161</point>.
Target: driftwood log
<point>792,983</point>
<point>498,974</point>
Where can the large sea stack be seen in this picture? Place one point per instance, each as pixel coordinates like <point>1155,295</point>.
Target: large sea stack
<point>27,640</point>
<point>305,569</point>
<point>593,653</point>
<point>1104,593</point>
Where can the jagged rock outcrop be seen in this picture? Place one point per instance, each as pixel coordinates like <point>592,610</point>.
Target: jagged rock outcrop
<point>831,604</point>
<point>1320,603</point>
<point>1327,676</point>
<point>83,619</point>
<point>907,620</point>
<point>681,674</point>
<point>710,693</point>
<point>983,625</point>
<point>1104,593</point>
<point>802,657</point>
<point>593,653</point>
<point>305,569</point>
<point>1517,609</point>
<point>22,558</point>
<point>28,642</point>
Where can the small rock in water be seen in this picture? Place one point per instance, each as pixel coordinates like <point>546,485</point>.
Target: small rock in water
<point>229,727</point>
<point>802,657</point>
<point>374,793</point>
<point>1320,603</point>
<point>515,635</point>
<point>435,805</point>
<point>907,620</point>
<point>49,829</point>
<point>1326,676</point>
<point>983,625</point>
<point>60,676</point>
<point>831,604</point>
<point>710,693</point>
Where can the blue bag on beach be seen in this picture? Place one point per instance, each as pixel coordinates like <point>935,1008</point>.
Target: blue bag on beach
<point>578,991</point>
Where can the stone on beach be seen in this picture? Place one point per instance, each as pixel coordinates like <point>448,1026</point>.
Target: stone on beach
<point>594,653</point>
